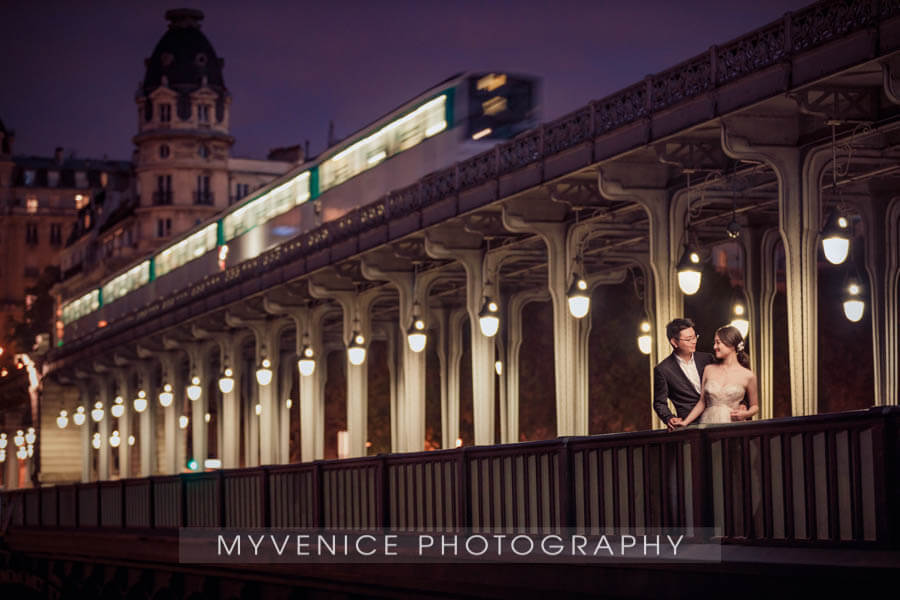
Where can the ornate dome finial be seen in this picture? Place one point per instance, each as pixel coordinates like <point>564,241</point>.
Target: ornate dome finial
<point>184,17</point>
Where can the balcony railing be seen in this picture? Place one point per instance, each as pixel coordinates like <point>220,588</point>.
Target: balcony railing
<point>829,480</point>
<point>205,198</point>
<point>162,197</point>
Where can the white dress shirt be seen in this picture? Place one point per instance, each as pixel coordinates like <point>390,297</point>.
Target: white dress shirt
<point>689,368</point>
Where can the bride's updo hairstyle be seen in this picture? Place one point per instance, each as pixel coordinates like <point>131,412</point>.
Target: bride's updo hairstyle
<point>731,337</point>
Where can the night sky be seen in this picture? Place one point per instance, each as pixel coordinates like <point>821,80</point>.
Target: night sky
<point>69,70</point>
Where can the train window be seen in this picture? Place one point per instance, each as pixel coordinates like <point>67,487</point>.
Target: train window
<point>128,281</point>
<point>501,106</point>
<point>401,134</point>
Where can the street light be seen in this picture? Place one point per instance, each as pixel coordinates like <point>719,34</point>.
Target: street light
<point>415,335</point>
<point>356,351</point>
<point>194,390</point>
<point>140,403</point>
<point>264,372</point>
<point>740,321</point>
<point>579,300</point>
<point>488,318</point>
<point>307,362</point>
<point>689,273</point>
<point>63,419</point>
<point>226,381</point>
<point>644,340</point>
<point>854,306</point>
<point>166,397</point>
<point>118,407</point>
<point>836,238</point>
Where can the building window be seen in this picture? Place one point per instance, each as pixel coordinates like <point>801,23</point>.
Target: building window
<point>163,227</point>
<point>31,234</point>
<point>203,151</point>
<point>31,204</point>
<point>203,195</point>
<point>203,113</point>
<point>56,234</point>
<point>81,179</point>
<point>31,272</point>
<point>29,177</point>
<point>164,151</point>
<point>163,193</point>
<point>165,113</point>
<point>240,190</point>
<point>52,178</point>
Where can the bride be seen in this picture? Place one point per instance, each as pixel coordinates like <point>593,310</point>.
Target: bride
<point>726,383</point>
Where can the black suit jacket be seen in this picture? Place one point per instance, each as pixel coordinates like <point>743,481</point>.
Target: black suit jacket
<point>670,382</point>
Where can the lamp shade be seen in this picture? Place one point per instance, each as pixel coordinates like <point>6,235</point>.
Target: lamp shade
<point>226,381</point>
<point>578,298</point>
<point>194,390</point>
<point>97,413</point>
<point>264,372</point>
<point>356,351</point>
<point>140,403</point>
<point>854,305</point>
<point>489,318</point>
<point>118,407</point>
<point>79,416</point>
<point>836,238</point>
<point>166,397</point>
<point>644,340</point>
<point>415,335</point>
<point>63,419</point>
<point>689,273</point>
<point>306,364</point>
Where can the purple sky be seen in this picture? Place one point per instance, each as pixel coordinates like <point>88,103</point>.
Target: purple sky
<point>69,70</point>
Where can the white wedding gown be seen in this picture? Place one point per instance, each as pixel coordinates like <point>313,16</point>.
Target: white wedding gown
<point>721,399</point>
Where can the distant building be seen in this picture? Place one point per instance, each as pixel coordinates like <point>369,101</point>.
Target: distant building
<point>183,172</point>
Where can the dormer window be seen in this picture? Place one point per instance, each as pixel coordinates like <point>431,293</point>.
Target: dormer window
<point>29,177</point>
<point>52,178</point>
<point>203,113</point>
<point>81,179</point>
<point>165,113</point>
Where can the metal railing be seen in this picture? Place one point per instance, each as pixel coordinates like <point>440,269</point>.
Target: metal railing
<point>162,197</point>
<point>828,480</point>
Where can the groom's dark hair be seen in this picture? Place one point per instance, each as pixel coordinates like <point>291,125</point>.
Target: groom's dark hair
<point>675,327</point>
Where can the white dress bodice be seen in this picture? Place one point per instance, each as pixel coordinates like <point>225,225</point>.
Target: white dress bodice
<point>720,400</point>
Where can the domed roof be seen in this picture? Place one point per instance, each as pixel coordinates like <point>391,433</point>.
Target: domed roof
<point>184,56</point>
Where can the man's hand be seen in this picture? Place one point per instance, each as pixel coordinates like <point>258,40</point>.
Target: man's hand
<point>674,423</point>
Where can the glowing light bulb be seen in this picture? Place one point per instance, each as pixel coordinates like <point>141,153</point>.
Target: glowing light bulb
<point>356,351</point>
<point>194,390</point>
<point>97,413</point>
<point>183,422</point>
<point>63,419</point>
<point>79,416</point>
<point>645,342</point>
<point>489,318</point>
<point>578,298</point>
<point>226,382</point>
<point>166,397</point>
<point>118,407</point>
<point>264,372</point>
<point>415,335</point>
<point>306,363</point>
<point>140,403</point>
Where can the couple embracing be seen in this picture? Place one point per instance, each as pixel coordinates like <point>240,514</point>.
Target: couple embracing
<point>701,386</point>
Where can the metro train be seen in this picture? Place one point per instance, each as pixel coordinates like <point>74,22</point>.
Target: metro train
<point>447,123</point>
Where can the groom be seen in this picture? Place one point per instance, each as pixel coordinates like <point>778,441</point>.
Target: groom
<point>677,378</point>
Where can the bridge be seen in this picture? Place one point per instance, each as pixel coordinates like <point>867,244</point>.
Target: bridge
<point>764,135</point>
